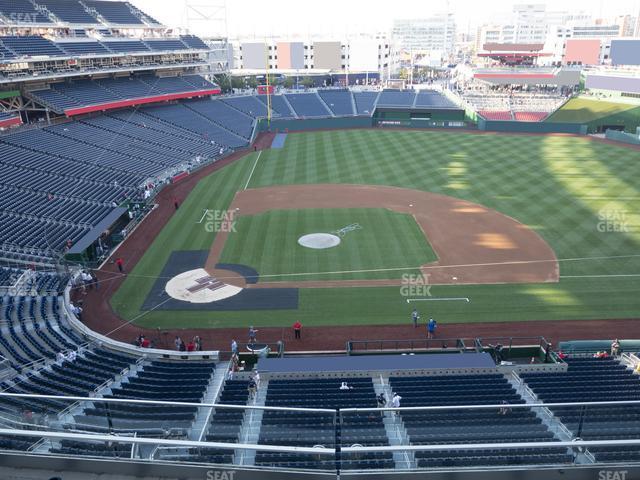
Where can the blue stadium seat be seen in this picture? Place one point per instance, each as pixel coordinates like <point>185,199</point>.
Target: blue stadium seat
<point>339,101</point>
<point>70,11</point>
<point>118,13</point>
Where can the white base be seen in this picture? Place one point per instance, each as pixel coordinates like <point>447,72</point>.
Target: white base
<point>319,241</point>
<point>178,285</point>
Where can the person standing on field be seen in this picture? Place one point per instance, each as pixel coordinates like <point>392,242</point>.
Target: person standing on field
<point>431,328</point>
<point>415,317</point>
<point>297,328</point>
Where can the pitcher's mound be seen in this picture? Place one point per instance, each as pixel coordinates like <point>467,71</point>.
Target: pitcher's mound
<point>319,241</point>
<point>197,286</point>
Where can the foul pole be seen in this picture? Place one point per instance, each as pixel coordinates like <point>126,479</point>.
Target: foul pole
<point>266,76</point>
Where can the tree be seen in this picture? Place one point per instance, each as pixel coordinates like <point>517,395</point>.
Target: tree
<point>224,82</point>
<point>237,82</point>
<point>404,74</point>
<point>288,82</point>
<point>306,82</point>
<point>252,82</point>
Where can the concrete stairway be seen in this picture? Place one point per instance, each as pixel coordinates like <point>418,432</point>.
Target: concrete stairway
<point>211,394</point>
<point>394,426</point>
<point>250,429</point>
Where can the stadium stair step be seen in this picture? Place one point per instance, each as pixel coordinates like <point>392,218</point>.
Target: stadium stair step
<point>293,112</point>
<point>354,107</point>
<point>211,395</point>
<point>216,123</point>
<point>553,423</point>
<point>324,104</point>
<point>394,427</point>
<point>250,428</point>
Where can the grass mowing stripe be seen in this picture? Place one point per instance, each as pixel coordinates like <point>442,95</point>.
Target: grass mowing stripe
<point>535,179</point>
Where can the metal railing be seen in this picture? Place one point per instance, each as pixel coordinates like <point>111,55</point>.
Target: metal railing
<point>420,344</point>
<point>339,416</point>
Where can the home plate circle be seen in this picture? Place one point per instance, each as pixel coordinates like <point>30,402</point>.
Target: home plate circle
<point>319,241</point>
<point>197,286</point>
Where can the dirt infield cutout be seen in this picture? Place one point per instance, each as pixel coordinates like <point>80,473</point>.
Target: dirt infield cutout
<point>198,286</point>
<point>474,244</point>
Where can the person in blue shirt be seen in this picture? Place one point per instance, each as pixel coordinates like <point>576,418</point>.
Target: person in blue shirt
<point>431,328</point>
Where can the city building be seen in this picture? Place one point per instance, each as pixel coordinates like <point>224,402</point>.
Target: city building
<point>435,33</point>
<point>312,55</point>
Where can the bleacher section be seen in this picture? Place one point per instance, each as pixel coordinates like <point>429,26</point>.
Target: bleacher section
<point>181,116</point>
<point>118,13</point>
<point>496,115</point>
<point>225,116</point>
<point>31,46</point>
<point>165,45</point>
<point>22,12</point>
<point>88,47</point>
<point>158,380</point>
<point>248,104</point>
<point>35,328</point>
<point>307,105</point>
<point>520,106</point>
<point>365,102</point>
<point>433,99</point>
<point>126,46</point>
<point>339,101</point>
<point>530,116</point>
<point>78,377</point>
<point>193,42</point>
<point>591,380</point>
<point>83,96</point>
<point>396,98</point>
<point>279,107</point>
<point>70,11</point>
<point>307,429</point>
<point>480,426</point>
<point>60,181</point>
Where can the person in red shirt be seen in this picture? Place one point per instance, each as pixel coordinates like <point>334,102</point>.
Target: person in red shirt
<point>145,342</point>
<point>297,328</point>
<point>120,264</point>
<point>191,346</point>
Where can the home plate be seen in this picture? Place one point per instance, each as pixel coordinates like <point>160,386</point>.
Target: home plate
<point>197,286</point>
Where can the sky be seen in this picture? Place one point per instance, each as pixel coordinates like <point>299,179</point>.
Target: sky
<point>291,18</point>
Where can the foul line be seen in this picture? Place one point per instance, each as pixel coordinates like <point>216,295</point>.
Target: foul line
<point>451,299</point>
<point>252,170</point>
<point>604,275</point>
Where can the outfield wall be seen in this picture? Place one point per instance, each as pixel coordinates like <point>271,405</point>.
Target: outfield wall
<point>623,137</point>
<point>298,125</point>
<point>530,127</point>
<point>409,119</point>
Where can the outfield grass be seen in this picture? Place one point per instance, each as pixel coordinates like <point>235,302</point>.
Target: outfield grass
<point>585,110</point>
<point>268,242</point>
<point>574,192</point>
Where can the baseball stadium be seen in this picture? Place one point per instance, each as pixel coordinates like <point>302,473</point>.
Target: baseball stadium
<point>354,279</point>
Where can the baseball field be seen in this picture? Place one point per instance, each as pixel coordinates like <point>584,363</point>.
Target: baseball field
<point>465,227</point>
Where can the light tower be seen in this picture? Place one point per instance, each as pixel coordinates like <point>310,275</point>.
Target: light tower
<point>206,18</point>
